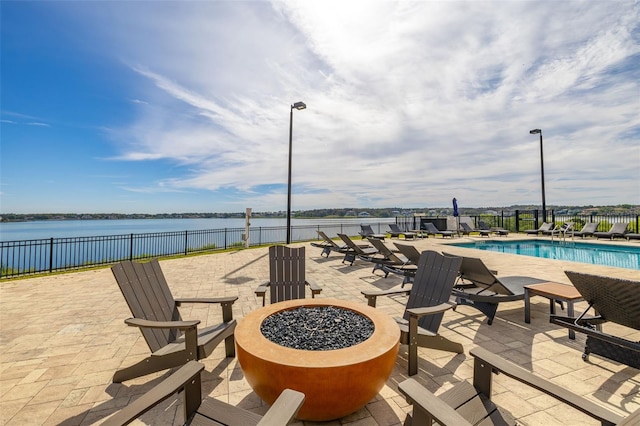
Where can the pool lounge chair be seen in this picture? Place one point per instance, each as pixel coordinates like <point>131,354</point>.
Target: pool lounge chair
<point>395,231</point>
<point>367,232</point>
<point>467,230</point>
<point>617,231</point>
<point>587,230</point>
<point>388,261</point>
<point>356,250</point>
<point>615,300</point>
<point>561,231</point>
<point>545,227</point>
<point>328,245</point>
<point>432,230</point>
<point>409,251</point>
<point>495,229</point>
<point>480,288</point>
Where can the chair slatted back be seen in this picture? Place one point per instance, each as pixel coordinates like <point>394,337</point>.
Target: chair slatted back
<point>483,225</point>
<point>366,230</point>
<point>286,273</point>
<point>328,240</point>
<point>546,226</point>
<point>617,300</point>
<point>395,228</point>
<point>410,252</point>
<point>432,285</point>
<point>349,243</point>
<point>618,228</point>
<point>590,228</point>
<point>386,251</point>
<point>148,295</point>
<point>465,226</point>
<point>474,270</point>
<point>430,227</point>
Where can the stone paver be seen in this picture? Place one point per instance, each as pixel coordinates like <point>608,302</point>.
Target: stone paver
<point>62,337</point>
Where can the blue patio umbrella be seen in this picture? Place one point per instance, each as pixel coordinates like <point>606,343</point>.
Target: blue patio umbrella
<point>456,213</point>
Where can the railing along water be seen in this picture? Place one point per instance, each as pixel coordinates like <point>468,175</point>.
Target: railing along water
<point>35,256</point>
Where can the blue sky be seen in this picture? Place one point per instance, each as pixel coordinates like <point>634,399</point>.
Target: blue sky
<point>135,106</point>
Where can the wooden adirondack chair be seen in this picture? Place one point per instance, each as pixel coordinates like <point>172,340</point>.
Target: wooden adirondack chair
<point>467,404</point>
<point>286,275</point>
<point>172,341</point>
<point>428,300</point>
<point>209,411</point>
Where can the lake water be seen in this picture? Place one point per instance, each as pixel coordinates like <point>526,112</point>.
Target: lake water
<point>17,231</point>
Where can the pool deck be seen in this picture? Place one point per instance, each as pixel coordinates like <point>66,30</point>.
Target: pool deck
<point>63,337</point>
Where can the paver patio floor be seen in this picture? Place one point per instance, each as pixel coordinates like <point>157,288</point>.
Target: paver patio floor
<point>63,337</point>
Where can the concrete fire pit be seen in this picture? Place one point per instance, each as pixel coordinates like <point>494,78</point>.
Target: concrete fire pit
<point>336,382</point>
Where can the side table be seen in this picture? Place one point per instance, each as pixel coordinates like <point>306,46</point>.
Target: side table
<point>554,292</point>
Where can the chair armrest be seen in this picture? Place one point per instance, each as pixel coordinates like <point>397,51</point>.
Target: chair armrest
<point>499,364</point>
<point>427,406</point>
<point>228,299</point>
<point>262,290</point>
<point>371,295</point>
<point>315,288</point>
<point>143,323</point>
<point>172,384</point>
<point>430,310</point>
<point>225,302</point>
<point>284,409</point>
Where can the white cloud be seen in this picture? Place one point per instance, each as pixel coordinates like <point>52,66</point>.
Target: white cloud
<point>409,103</point>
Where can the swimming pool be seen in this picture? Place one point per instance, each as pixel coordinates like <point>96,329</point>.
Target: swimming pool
<point>595,254</point>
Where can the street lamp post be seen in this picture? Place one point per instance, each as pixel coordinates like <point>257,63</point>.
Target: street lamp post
<point>298,106</point>
<point>544,203</point>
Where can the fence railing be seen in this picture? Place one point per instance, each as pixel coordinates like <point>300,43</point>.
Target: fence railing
<point>27,257</point>
<point>523,220</point>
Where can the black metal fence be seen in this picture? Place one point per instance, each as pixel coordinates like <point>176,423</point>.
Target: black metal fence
<point>26,257</point>
<point>523,220</point>
<point>58,254</point>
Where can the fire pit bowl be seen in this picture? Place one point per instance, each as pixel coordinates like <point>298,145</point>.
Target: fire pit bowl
<point>335,382</point>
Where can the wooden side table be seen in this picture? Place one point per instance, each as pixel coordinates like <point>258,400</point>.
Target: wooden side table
<point>554,292</point>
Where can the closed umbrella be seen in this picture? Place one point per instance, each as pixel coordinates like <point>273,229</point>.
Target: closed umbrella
<point>456,213</point>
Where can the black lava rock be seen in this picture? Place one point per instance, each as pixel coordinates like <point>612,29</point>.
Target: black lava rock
<point>317,328</point>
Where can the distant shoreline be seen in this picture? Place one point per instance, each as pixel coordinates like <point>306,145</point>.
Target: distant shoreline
<point>330,213</point>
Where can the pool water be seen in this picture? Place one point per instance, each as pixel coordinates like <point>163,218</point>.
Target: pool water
<point>595,254</point>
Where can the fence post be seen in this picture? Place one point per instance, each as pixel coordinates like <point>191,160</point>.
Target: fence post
<point>225,238</point>
<point>186,241</point>
<point>517,220</point>
<point>51,255</point>
<point>131,247</point>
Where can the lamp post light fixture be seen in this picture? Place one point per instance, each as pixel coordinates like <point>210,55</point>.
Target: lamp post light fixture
<point>544,203</point>
<point>298,106</point>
